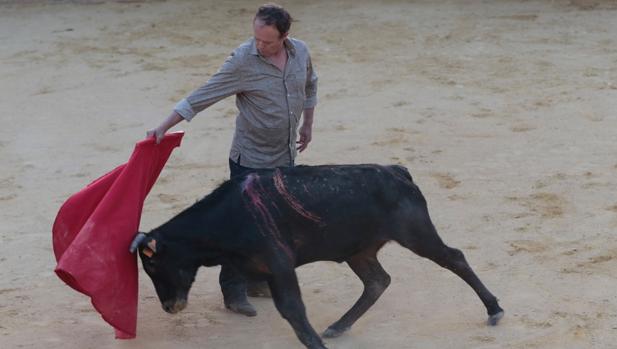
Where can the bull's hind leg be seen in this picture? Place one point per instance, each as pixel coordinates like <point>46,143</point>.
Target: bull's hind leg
<point>375,280</point>
<point>425,242</point>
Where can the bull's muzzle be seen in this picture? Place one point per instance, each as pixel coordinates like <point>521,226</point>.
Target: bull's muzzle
<point>174,306</point>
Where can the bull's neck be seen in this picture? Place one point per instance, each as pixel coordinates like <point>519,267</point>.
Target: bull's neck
<point>210,222</point>
<point>193,225</point>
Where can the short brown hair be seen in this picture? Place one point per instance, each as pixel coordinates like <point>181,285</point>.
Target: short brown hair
<point>273,14</point>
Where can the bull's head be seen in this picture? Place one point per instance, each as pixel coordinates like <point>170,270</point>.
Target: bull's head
<point>171,269</point>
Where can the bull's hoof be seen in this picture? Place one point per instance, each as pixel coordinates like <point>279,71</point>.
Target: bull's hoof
<point>494,319</point>
<point>244,308</point>
<point>332,332</point>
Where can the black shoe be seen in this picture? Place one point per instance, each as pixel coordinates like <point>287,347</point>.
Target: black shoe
<point>241,307</point>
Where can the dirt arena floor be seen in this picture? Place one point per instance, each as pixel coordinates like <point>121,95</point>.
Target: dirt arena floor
<point>505,112</point>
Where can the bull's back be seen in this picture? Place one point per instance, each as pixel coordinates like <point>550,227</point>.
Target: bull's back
<point>332,212</point>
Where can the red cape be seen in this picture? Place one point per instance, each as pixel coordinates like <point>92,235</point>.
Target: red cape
<point>95,226</point>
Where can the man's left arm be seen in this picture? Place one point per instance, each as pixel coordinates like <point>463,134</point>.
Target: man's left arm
<point>306,130</point>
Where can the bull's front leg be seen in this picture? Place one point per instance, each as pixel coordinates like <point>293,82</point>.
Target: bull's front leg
<point>288,301</point>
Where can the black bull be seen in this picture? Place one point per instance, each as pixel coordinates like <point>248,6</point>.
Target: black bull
<point>269,222</point>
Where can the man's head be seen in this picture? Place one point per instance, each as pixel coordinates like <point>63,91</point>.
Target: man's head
<point>271,27</point>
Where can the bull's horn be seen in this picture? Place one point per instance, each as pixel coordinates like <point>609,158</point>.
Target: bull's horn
<point>136,241</point>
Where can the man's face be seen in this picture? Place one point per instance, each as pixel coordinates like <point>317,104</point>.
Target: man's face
<point>267,38</point>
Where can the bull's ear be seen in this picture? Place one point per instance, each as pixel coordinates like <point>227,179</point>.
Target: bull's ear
<point>150,248</point>
<point>145,243</point>
<point>147,252</point>
<point>152,245</point>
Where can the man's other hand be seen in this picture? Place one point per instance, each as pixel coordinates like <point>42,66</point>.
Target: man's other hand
<point>305,137</point>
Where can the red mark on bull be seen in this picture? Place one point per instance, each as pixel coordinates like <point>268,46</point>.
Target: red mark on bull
<point>291,200</point>
<point>256,196</point>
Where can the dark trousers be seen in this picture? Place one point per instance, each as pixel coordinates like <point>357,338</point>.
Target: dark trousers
<point>233,283</point>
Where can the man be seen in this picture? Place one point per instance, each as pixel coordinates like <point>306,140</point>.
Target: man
<point>273,79</point>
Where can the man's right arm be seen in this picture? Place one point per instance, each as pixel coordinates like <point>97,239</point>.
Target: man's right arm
<point>226,82</point>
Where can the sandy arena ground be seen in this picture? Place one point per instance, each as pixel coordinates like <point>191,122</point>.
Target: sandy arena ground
<point>504,112</point>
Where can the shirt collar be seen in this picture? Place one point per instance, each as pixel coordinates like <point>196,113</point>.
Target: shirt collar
<point>289,45</point>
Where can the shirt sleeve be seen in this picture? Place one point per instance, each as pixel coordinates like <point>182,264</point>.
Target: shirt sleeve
<point>225,82</point>
<point>311,86</point>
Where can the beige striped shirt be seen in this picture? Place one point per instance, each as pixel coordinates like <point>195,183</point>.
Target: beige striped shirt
<point>270,102</point>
